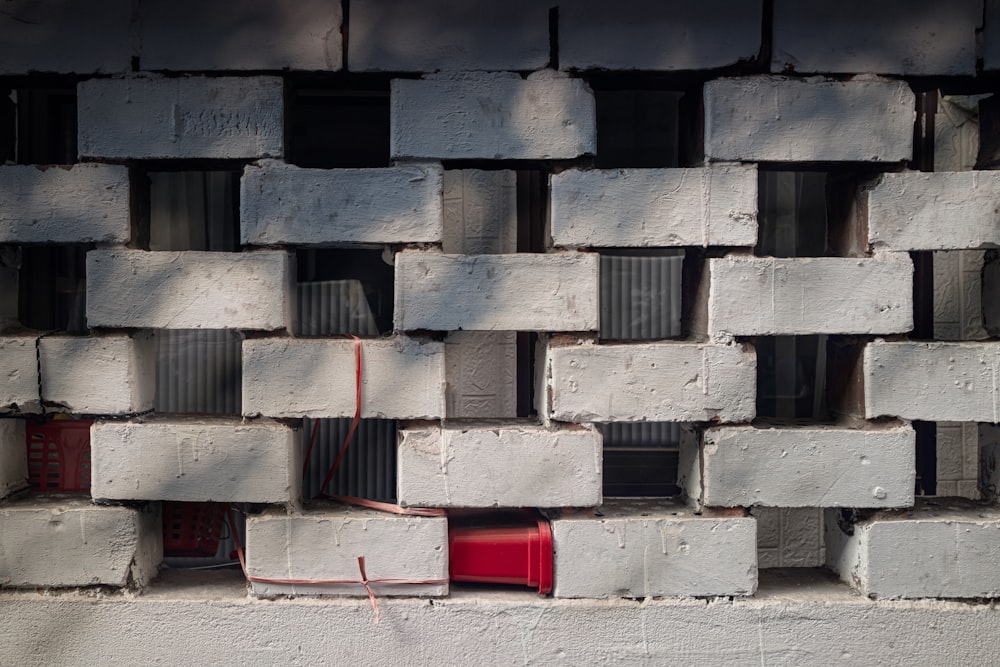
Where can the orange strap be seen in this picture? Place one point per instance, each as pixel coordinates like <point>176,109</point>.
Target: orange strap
<point>357,414</point>
<point>389,507</point>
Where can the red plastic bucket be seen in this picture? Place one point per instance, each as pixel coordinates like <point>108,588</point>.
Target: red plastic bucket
<point>502,555</point>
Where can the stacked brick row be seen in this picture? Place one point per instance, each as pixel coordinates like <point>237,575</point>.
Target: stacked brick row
<point>477,107</point>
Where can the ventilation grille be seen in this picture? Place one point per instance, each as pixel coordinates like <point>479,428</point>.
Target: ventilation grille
<point>332,307</point>
<point>640,296</point>
<point>198,371</point>
<point>368,469</point>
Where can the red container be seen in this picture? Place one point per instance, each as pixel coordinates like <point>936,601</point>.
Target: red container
<point>58,455</point>
<point>191,530</point>
<point>502,554</point>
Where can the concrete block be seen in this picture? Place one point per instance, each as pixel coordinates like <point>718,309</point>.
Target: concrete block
<point>933,381</point>
<point>778,119</point>
<point>492,117</point>
<point>195,460</point>
<point>523,292</point>
<point>283,204</point>
<point>402,378</point>
<point>447,35</point>
<point>63,541</point>
<point>100,375</point>
<point>13,457</point>
<point>86,203</point>
<point>653,548</point>
<point>404,555</point>
<point>949,550</point>
<point>252,35</point>
<point>634,34</point>
<point>768,296</point>
<point>809,466</point>
<point>184,117</point>
<point>480,211</point>
<point>906,37</point>
<point>655,207</point>
<point>190,290</point>
<point>481,374</point>
<point>515,466</point>
<point>935,211</point>
<point>18,374</point>
<point>66,36</point>
<point>651,382</point>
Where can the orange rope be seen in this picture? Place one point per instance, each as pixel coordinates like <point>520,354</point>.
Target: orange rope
<point>357,414</point>
<point>389,507</point>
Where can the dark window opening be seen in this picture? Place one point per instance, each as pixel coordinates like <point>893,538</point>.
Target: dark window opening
<point>791,377</point>
<point>52,288</point>
<point>641,459</point>
<point>640,294</point>
<point>336,126</point>
<point>344,292</point>
<point>926,457</point>
<point>532,210</point>
<point>368,467</point>
<point>39,123</point>
<point>191,210</point>
<point>198,371</point>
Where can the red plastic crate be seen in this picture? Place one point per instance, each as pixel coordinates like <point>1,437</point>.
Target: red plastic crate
<point>191,530</point>
<point>59,455</point>
<point>520,555</point>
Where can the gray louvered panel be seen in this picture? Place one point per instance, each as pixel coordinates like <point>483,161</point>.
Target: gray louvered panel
<point>198,371</point>
<point>640,296</point>
<point>331,307</point>
<point>368,469</point>
<point>666,435</point>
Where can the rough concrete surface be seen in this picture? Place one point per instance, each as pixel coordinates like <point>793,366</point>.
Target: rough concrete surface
<point>13,457</point>
<point>18,374</point>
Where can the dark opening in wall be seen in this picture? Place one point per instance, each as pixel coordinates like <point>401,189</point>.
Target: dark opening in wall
<point>340,124</point>
<point>640,459</point>
<point>200,534</point>
<point>52,292</point>
<point>39,122</point>
<point>368,468</point>
<point>191,210</point>
<point>791,377</point>
<point>344,292</point>
<point>198,371</point>
<point>640,294</point>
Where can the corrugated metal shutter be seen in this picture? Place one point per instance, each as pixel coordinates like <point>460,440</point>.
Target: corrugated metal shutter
<point>368,469</point>
<point>641,296</point>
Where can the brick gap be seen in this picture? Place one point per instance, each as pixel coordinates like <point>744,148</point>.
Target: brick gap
<point>199,534</point>
<point>48,283</point>
<point>344,291</point>
<point>641,294</point>
<point>641,459</point>
<point>38,120</point>
<point>368,469</point>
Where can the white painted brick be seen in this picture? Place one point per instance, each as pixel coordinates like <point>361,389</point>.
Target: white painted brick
<point>402,378</point>
<point>105,375</point>
<point>195,460</point>
<point>65,36</point>
<point>481,374</point>
<point>768,296</point>
<point>283,204</point>
<point>634,34</point>
<point>651,382</point>
<point>502,466</point>
<point>18,374</point>
<point>433,35</point>
<point>655,207</point>
<point>82,204</point>
<point>189,290</point>
<point>908,37</point>
<point>933,381</point>
<point>324,543</point>
<point>653,548</point>
<point>189,35</point>
<point>808,466</point>
<point>940,548</point>
<point>187,117</point>
<point>13,457</point>
<point>492,117</point>
<point>935,211</point>
<point>480,211</point>
<point>65,541</point>
<point>767,118</point>
<point>523,292</point>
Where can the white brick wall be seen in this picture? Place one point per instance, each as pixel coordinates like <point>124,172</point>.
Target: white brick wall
<point>402,378</point>
<point>88,203</point>
<point>932,381</point>
<point>62,541</point>
<point>789,296</point>
<point>195,460</point>
<point>18,374</point>
<point>653,548</point>
<point>927,37</point>
<point>778,119</point>
<point>189,290</point>
<point>502,466</point>
<point>188,117</point>
<point>655,207</point>
<point>324,544</point>
<point>283,204</point>
<point>651,382</point>
<point>13,461</point>
<point>487,292</point>
<point>808,466</point>
<point>492,116</point>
